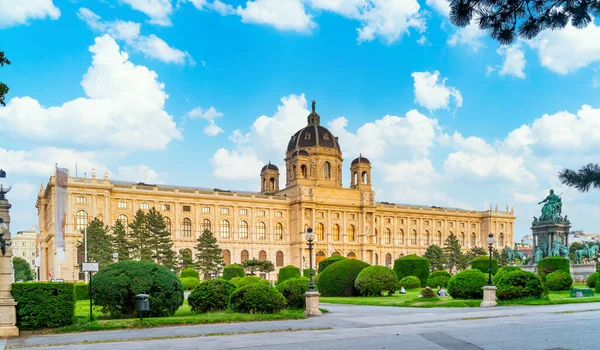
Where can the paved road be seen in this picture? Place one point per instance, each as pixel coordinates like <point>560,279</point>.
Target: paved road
<point>348,327</point>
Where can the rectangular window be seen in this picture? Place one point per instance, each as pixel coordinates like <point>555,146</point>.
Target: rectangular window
<point>122,205</point>
<point>278,214</point>
<point>224,210</point>
<point>261,213</point>
<point>80,200</point>
<point>166,207</point>
<point>243,211</point>
<point>187,208</point>
<point>321,214</point>
<point>144,206</point>
<point>389,221</point>
<point>352,216</point>
<point>336,215</point>
<point>206,210</point>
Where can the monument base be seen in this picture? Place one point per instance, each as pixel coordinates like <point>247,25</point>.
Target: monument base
<point>489,297</point>
<point>580,272</point>
<point>528,268</point>
<point>312,304</point>
<point>8,318</point>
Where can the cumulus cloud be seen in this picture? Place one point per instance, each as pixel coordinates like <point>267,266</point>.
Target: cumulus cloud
<point>283,15</point>
<point>138,173</point>
<point>13,14</point>
<point>212,129</point>
<point>158,10</point>
<point>236,164</point>
<point>514,61</point>
<point>469,36</point>
<point>434,94</point>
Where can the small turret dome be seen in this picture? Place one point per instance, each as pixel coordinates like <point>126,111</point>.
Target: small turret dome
<point>361,159</point>
<point>270,167</point>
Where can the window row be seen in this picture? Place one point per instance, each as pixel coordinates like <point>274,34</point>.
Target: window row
<point>244,256</point>
<point>335,232</point>
<point>188,208</point>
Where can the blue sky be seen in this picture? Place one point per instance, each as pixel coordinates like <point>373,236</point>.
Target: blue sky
<point>189,92</point>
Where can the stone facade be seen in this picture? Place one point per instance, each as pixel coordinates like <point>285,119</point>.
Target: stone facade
<point>271,224</point>
<point>24,246</point>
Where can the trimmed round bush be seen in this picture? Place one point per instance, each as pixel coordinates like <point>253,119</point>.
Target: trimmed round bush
<point>251,280</point>
<point>328,261</point>
<point>211,295</point>
<point>233,270</point>
<point>590,281</point>
<point>441,281</point>
<point>428,293</point>
<point>410,282</point>
<point>519,284</point>
<point>235,280</point>
<point>338,279</point>
<point>553,263</point>
<point>503,271</point>
<point>467,284</point>
<point>114,289</point>
<point>287,272</point>
<point>482,263</point>
<point>189,283</point>
<point>257,298</point>
<point>440,273</point>
<point>558,280</point>
<point>293,290</point>
<point>189,272</point>
<point>306,273</point>
<point>412,265</point>
<point>374,280</point>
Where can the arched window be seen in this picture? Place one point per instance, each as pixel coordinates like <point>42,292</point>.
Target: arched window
<point>278,231</point>
<point>186,227</point>
<point>355,176</point>
<point>388,260</point>
<point>387,236</point>
<point>374,238</point>
<point>206,225</point>
<point>320,256</point>
<point>123,220</point>
<point>501,240</point>
<point>294,172</point>
<point>340,173</point>
<point>376,259</point>
<point>261,230</point>
<point>335,232</point>
<point>351,233</point>
<point>401,236</point>
<point>272,184</point>
<point>327,170</point>
<point>244,256</point>
<point>413,237</point>
<point>226,257</point>
<point>427,238</point>
<point>81,220</point>
<point>473,239</point>
<point>365,178</point>
<point>320,232</point>
<point>262,255</point>
<point>336,253</point>
<point>279,259</point>
<point>462,239</point>
<point>303,171</point>
<point>243,230</point>
<point>351,255</point>
<point>225,229</point>
<point>167,224</point>
<point>438,239</point>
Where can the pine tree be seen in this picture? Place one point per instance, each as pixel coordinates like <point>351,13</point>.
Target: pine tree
<point>477,251</point>
<point>503,261</point>
<point>120,241</point>
<point>99,247</point>
<point>582,179</point>
<point>254,265</point>
<point>208,254</point>
<point>160,239</point>
<point>185,260</point>
<point>3,87</point>
<point>452,250</point>
<point>436,256</point>
<point>140,237</point>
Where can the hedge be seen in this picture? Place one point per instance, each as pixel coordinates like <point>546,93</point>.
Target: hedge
<point>235,280</point>
<point>440,273</point>
<point>428,293</point>
<point>412,265</point>
<point>251,280</point>
<point>328,261</point>
<point>551,264</point>
<point>503,271</point>
<point>257,298</point>
<point>82,291</point>
<point>590,281</point>
<point>338,279</point>
<point>519,284</point>
<point>287,272</point>
<point>410,282</point>
<point>482,263</point>
<point>189,283</point>
<point>293,291</point>
<point>558,280</point>
<point>211,295</point>
<point>467,284</point>
<point>375,280</point>
<point>44,304</point>
<point>306,273</point>
<point>233,270</point>
<point>189,272</point>
<point>437,281</point>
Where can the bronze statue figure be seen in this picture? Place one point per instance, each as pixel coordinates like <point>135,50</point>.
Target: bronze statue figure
<point>552,207</point>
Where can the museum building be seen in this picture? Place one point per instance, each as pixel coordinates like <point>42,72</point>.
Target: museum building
<point>270,224</point>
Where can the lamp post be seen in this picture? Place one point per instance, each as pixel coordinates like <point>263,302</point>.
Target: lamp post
<point>3,231</point>
<point>310,237</point>
<point>490,242</point>
<point>4,187</point>
<point>489,291</point>
<point>312,296</point>
<point>8,314</point>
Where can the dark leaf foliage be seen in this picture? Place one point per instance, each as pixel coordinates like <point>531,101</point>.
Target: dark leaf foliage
<point>583,179</point>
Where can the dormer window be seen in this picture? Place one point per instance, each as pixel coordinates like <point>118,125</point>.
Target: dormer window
<point>325,136</point>
<point>307,136</point>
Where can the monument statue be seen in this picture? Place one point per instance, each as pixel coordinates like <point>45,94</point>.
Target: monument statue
<point>552,207</point>
<point>538,254</point>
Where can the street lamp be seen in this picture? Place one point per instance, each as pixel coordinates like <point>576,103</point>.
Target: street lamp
<point>4,187</point>
<point>3,231</point>
<point>490,242</point>
<point>310,237</point>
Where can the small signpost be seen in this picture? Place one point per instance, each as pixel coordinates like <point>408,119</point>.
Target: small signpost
<point>90,267</point>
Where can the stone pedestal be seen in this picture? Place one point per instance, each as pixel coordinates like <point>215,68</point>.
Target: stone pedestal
<point>8,311</point>
<point>312,304</point>
<point>580,272</point>
<point>489,296</point>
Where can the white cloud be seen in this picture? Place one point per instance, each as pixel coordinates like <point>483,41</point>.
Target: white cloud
<point>23,191</point>
<point>411,172</point>
<point>514,61</point>
<point>568,49</point>
<point>21,12</point>
<point>431,94</point>
<point>138,173</point>
<point>525,197</point>
<point>124,108</point>
<point>157,48</point>
<point>283,15</point>
<point>41,161</point>
<point>441,6</point>
<point>158,10</point>
<point>216,5</point>
<point>469,36</point>
<point>212,129</point>
<point>236,165</point>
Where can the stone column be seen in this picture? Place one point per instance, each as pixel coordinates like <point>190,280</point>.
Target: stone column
<point>8,306</point>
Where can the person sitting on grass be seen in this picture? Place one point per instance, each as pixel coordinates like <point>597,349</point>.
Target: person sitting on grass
<point>402,290</point>
<point>442,292</point>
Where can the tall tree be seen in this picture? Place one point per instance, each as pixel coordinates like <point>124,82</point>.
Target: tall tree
<point>185,260</point>
<point>140,237</point>
<point>160,239</point>
<point>583,179</point>
<point>22,270</point>
<point>99,245</point>
<point>254,265</point>
<point>3,87</point>
<point>464,261</point>
<point>208,254</point>
<point>505,20</point>
<point>503,260</point>
<point>436,256</point>
<point>120,241</point>
<point>478,251</point>
<point>452,250</point>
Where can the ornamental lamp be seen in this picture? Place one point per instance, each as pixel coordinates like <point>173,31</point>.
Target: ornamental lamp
<point>4,186</point>
<point>310,236</point>
<point>491,239</point>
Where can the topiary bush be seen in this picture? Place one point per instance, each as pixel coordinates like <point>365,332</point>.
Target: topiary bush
<point>590,281</point>
<point>467,284</point>
<point>328,261</point>
<point>250,280</point>
<point>375,280</point>
<point>428,293</point>
<point>551,264</point>
<point>412,265</point>
<point>306,273</point>
<point>440,273</point>
<point>558,280</point>
<point>189,283</point>
<point>293,290</point>
<point>233,270</point>
<point>287,272</point>
<point>410,282</point>
<point>114,289</point>
<point>503,271</point>
<point>235,280</point>
<point>190,272</point>
<point>338,279</point>
<point>82,291</point>
<point>437,281</point>
<point>211,295</point>
<point>482,263</point>
<point>44,304</point>
<point>257,298</point>
<point>519,284</point>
